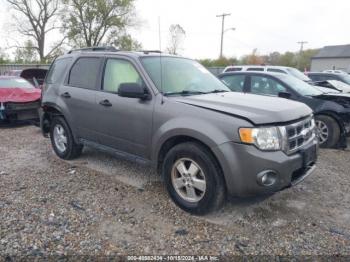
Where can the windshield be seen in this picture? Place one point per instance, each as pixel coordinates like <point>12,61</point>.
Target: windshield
<point>346,78</point>
<point>298,74</point>
<point>181,76</point>
<point>15,83</point>
<point>340,85</point>
<point>300,86</point>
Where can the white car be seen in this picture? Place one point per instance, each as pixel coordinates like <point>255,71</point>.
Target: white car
<point>274,69</point>
<point>335,71</point>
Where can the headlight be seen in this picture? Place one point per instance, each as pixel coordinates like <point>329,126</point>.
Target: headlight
<point>265,138</point>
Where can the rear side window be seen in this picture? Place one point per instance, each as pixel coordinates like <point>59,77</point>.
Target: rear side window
<point>57,70</point>
<point>276,70</point>
<point>84,72</point>
<point>234,69</point>
<point>255,69</point>
<point>234,82</point>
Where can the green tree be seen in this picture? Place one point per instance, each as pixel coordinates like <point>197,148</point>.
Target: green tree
<point>220,62</point>
<point>127,43</point>
<point>3,57</point>
<point>26,54</point>
<point>96,22</point>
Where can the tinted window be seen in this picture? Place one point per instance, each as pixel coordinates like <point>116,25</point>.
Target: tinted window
<point>276,70</point>
<point>266,86</point>
<point>119,72</point>
<point>84,73</point>
<point>255,69</point>
<point>299,86</point>
<point>234,69</point>
<point>57,70</point>
<point>315,78</point>
<point>234,82</point>
<point>14,83</point>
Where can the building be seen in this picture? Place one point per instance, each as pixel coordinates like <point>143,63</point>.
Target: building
<point>332,57</point>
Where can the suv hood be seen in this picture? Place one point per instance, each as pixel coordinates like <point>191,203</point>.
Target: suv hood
<point>255,108</point>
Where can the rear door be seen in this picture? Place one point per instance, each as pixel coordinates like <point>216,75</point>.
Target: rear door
<point>78,96</point>
<point>124,123</point>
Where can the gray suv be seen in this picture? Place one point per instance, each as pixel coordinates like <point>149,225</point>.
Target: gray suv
<point>171,113</point>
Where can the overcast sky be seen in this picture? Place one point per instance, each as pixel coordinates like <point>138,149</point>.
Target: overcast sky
<point>270,25</point>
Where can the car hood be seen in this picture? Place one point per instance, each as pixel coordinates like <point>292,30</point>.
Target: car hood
<point>19,95</point>
<point>339,98</point>
<point>255,108</point>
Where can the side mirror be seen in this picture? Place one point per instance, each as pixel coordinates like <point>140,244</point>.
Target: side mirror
<point>285,95</point>
<point>132,90</point>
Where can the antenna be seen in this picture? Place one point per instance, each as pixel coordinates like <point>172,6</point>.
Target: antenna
<point>160,61</point>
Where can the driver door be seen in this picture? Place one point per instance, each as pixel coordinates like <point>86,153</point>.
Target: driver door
<point>124,123</point>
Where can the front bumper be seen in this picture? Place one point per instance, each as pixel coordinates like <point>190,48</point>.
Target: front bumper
<point>241,165</point>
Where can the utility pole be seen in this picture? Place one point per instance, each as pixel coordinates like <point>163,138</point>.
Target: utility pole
<point>302,43</point>
<point>222,31</point>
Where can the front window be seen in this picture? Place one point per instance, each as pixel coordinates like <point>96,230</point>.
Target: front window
<point>173,75</point>
<point>15,83</point>
<point>298,74</point>
<point>300,86</point>
<point>266,86</point>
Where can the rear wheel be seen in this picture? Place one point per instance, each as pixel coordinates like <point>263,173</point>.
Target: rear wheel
<point>328,131</point>
<point>193,178</point>
<point>62,140</point>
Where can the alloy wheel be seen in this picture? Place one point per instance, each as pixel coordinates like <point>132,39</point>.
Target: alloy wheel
<point>60,138</point>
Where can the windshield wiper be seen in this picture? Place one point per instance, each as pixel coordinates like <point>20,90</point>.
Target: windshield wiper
<point>184,93</point>
<point>217,91</point>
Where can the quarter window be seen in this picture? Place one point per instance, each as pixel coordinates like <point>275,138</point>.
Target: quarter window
<point>266,86</point>
<point>276,70</point>
<point>84,73</point>
<point>119,72</point>
<point>255,69</point>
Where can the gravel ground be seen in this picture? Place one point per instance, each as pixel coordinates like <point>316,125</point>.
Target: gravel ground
<point>98,205</point>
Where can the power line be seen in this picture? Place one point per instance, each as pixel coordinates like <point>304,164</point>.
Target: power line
<point>222,31</point>
<point>302,43</point>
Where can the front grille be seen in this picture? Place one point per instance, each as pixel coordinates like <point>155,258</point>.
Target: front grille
<point>22,106</point>
<point>299,133</point>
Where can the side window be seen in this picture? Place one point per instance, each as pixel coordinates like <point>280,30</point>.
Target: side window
<point>315,78</point>
<point>234,69</point>
<point>255,69</point>
<point>234,82</point>
<point>57,70</point>
<point>84,73</point>
<point>276,70</point>
<point>266,86</point>
<point>117,72</point>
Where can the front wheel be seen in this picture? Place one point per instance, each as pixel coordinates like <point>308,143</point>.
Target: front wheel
<point>193,178</point>
<point>62,140</point>
<point>328,131</point>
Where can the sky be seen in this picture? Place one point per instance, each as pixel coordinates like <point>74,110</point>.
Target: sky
<point>270,25</point>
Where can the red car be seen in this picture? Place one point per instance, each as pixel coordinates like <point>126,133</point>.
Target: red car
<point>19,100</point>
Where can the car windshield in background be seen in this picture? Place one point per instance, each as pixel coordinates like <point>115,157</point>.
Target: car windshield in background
<point>345,77</point>
<point>15,83</point>
<point>181,76</point>
<point>298,74</point>
<point>300,86</point>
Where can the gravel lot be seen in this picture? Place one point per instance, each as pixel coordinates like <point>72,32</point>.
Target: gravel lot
<point>98,205</point>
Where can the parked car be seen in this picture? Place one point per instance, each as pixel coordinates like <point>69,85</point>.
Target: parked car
<point>35,76</point>
<point>19,100</point>
<point>171,113</point>
<point>318,76</point>
<point>272,69</point>
<point>334,84</point>
<point>335,71</point>
<point>331,108</point>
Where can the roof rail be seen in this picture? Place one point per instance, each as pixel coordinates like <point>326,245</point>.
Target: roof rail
<point>151,51</point>
<point>95,49</point>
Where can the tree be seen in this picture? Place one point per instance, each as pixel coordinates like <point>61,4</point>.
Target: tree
<point>127,43</point>
<point>37,18</point>
<point>253,58</point>
<point>220,62</point>
<point>3,57</point>
<point>96,22</point>
<point>177,36</point>
<point>26,54</point>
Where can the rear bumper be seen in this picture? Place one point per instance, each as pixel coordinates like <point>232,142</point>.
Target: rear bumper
<point>242,164</point>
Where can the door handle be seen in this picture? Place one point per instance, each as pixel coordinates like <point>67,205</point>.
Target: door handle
<point>66,95</point>
<point>106,103</point>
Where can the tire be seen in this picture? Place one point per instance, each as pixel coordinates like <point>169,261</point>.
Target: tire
<point>71,149</point>
<point>194,157</point>
<point>327,126</point>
